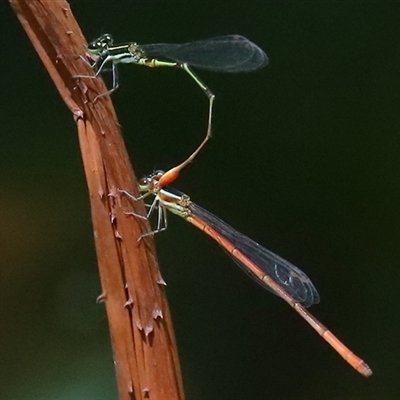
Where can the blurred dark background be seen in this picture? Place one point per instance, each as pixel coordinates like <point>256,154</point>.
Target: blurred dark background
<point>304,159</point>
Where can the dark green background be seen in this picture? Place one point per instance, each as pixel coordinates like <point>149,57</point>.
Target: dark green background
<point>304,159</point>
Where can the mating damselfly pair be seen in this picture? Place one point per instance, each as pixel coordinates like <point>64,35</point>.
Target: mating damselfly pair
<point>231,53</point>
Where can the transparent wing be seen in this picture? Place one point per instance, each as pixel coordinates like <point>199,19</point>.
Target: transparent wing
<point>231,53</point>
<point>286,275</point>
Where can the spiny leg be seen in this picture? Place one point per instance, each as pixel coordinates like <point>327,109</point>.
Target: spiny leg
<point>141,197</point>
<point>115,85</point>
<point>99,65</point>
<point>162,221</point>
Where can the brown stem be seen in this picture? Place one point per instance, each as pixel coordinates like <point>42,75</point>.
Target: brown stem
<point>145,355</point>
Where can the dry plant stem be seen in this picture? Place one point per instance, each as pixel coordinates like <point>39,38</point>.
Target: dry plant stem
<point>146,361</point>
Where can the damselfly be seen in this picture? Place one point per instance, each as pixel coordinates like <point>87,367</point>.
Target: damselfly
<point>230,53</point>
<point>268,269</point>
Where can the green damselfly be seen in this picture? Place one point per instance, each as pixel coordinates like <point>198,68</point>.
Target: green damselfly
<point>230,53</point>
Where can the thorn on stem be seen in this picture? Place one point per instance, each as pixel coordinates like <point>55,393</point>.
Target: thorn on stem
<point>161,281</point>
<point>101,298</point>
<point>78,114</point>
<point>129,303</point>
<point>148,329</point>
<point>157,313</point>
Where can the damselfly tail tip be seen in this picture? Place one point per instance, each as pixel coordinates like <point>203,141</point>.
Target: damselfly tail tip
<point>364,369</point>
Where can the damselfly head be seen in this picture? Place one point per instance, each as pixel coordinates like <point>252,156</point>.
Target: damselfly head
<point>100,44</point>
<point>149,183</point>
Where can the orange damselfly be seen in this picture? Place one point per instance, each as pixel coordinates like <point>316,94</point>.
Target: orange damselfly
<point>268,269</point>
